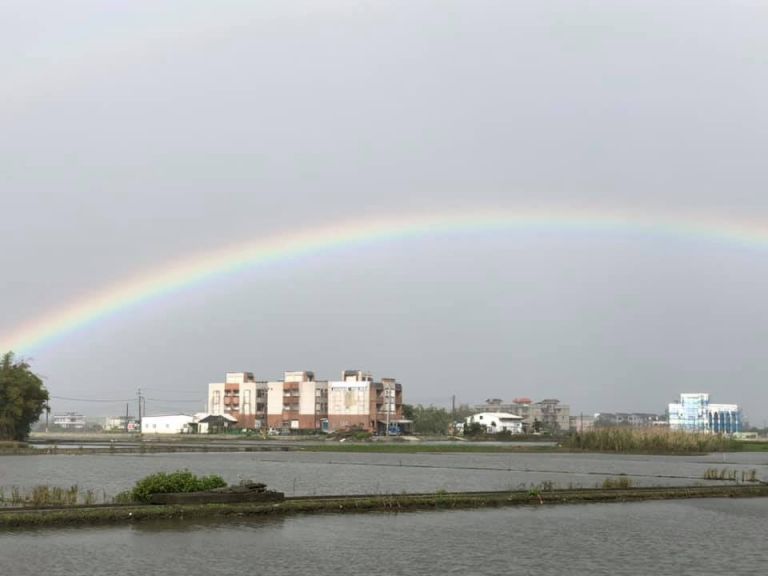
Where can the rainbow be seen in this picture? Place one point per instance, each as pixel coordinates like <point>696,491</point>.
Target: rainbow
<point>194,270</point>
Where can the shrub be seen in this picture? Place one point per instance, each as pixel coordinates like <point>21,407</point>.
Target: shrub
<point>617,483</point>
<point>179,481</point>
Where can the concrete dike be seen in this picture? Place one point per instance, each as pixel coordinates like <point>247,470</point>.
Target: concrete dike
<point>123,514</point>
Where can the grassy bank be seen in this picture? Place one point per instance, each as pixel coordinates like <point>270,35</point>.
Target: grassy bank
<point>357,504</point>
<point>650,441</point>
<point>416,447</point>
<point>615,440</point>
<point>370,447</point>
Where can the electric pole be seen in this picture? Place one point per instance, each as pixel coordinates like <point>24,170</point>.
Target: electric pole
<point>386,397</point>
<point>140,415</point>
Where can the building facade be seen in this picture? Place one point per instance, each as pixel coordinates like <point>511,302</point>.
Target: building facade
<point>298,402</point>
<point>549,415</point>
<point>69,421</point>
<point>241,397</point>
<point>495,422</point>
<point>170,424</point>
<point>121,424</point>
<point>695,413</point>
<point>357,401</point>
<point>301,402</point>
<point>629,419</point>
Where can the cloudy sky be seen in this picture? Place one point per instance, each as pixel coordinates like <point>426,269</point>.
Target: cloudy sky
<point>137,133</point>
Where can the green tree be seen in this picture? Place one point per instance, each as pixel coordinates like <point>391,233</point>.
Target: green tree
<point>429,420</point>
<point>474,430</point>
<point>23,398</point>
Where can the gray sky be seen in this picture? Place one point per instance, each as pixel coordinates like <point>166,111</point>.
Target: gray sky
<point>136,132</point>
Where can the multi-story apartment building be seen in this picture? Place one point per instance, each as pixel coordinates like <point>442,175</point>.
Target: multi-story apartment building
<point>628,419</point>
<point>298,402</point>
<point>121,424</point>
<point>582,422</point>
<point>356,401</point>
<point>548,415</point>
<point>695,413</point>
<point>240,396</point>
<point>69,421</point>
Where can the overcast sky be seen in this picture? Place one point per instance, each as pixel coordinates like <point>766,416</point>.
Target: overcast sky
<point>134,133</point>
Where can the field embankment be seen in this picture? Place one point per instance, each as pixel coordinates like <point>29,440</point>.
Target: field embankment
<point>117,514</point>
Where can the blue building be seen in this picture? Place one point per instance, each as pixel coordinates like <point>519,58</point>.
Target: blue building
<point>695,413</point>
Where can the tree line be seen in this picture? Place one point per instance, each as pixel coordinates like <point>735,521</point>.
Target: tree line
<point>432,420</point>
<point>23,398</point>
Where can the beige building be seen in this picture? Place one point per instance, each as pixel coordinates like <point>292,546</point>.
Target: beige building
<point>356,401</point>
<point>240,396</point>
<point>548,415</point>
<point>298,402</point>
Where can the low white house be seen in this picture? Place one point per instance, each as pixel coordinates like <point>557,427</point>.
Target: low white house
<point>204,422</point>
<point>172,424</point>
<point>494,422</point>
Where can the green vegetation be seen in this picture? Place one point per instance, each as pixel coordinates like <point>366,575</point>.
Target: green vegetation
<point>653,440</point>
<point>23,398</point>
<point>476,431</point>
<point>732,475</point>
<point>416,447</point>
<point>754,446</point>
<point>351,434</point>
<point>163,483</point>
<point>428,419</point>
<point>44,495</point>
<point>620,483</point>
<point>357,504</point>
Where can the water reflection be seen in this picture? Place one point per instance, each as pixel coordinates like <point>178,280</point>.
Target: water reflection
<point>716,536</point>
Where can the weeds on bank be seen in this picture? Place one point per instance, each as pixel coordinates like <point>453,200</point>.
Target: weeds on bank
<point>653,440</point>
<point>44,495</point>
<point>732,475</point>
<point>620,483</point>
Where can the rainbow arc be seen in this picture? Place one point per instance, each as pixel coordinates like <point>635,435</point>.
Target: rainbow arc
<point>190,271</point>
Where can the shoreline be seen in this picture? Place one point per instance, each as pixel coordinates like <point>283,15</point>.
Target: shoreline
<point>127,514</point>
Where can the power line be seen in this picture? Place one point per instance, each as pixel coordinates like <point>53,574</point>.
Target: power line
<point>175,401</point>
<point>90,399</point>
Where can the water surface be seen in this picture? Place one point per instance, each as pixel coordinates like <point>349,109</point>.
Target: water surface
<point>310,473</point>
<point>692,537</point>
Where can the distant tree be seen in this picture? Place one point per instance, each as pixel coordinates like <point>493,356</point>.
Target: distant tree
<point>23,398</point>
<point>474,429</point>
<point>430,420</point>
<point>408,411</point>
<point>463,411</point>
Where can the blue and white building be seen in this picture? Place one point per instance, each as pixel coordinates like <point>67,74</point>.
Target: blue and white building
<point>695,413</point>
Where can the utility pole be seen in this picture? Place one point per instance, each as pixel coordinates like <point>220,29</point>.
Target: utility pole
<point>140,415</point>
<point>126,417</point>
<point>386,398</point>
<point>265,406</point>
